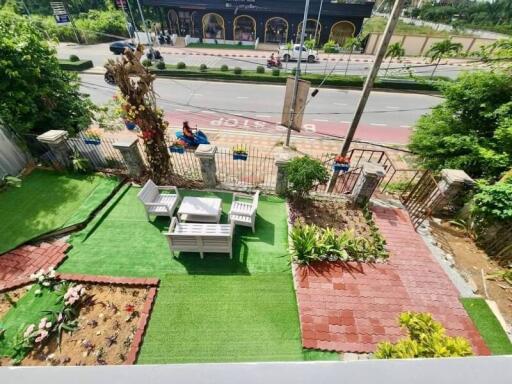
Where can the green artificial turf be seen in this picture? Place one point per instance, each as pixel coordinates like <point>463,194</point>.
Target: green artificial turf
<point>215,309</point>
<point>488,326</point>
<point>28,310</point>
<point>48,201</point>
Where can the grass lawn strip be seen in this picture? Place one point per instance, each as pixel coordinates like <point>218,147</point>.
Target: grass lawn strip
<point>488,326</point>
<point>215,309</point>
<point>48,201</point>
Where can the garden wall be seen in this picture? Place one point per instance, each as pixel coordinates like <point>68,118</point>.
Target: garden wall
<point>12,158</point>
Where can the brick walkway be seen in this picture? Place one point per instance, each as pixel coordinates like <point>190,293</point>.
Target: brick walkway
<point>17,266</point>
<point>352,308</point>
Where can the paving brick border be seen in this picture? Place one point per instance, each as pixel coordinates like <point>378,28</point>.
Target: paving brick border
<point>152,282</point>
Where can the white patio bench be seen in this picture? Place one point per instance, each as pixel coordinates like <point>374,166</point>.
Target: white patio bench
<point>199,237</point>
<point>157,203</point>
<point>244,212</point>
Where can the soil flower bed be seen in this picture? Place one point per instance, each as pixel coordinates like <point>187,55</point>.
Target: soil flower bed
<point>81,324</point>
<point>334,231</point>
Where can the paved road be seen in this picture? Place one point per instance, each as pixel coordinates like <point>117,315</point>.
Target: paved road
<point>388,117</point>
<point>100,53</point>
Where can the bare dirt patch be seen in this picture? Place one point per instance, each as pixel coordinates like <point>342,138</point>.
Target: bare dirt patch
<point>105,331</point>
<point>10,298</point>
<point>471,260</point>
<point>338,215</point>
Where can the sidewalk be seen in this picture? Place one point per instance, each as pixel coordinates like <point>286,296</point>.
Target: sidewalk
<point>352,307</point>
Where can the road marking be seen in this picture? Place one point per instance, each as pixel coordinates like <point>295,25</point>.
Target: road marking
<point>378,125</point>
<point>345,122</point>
<point>182,110</point>
<point>264,116</point>
<point>393,107</point>
<point>196,94</point>
<point>340,104</point>
<point>321,120</point>
<point>405,126</point>
<point>242,97</point>
<point>209,112</point>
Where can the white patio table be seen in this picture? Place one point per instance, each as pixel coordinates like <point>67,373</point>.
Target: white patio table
<point>200,209</point>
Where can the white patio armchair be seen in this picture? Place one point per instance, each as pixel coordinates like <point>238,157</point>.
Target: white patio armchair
<point>156,202</point>
<point>243,209</point>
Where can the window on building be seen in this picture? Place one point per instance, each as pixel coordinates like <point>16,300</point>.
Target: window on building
<point>213,26</point>
<point>244,28</point>
<point>342,30</point>
<point>276,30</point>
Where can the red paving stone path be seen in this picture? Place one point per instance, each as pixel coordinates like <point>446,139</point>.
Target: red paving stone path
<point>352,308</point>
<point>17,266</point>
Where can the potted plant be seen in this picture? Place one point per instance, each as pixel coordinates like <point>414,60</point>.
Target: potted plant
<point>130,125</point>
<point>92,136</point>
<point>177,147</point>
<point>341,163</point>
<point>240,153</point>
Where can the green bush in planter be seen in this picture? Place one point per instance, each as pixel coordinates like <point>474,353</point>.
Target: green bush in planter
<point>146,63</point>
<point>160,65</point>
<point>260,69</point>
<point>74,58</point>
<point>237,71</point>
<point>224,68</point>
<point>181,65</point>
<point>276,72</point>
<point>203,67</point>
<point>304,173</point>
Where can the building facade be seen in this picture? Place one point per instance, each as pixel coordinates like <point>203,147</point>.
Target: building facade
<point>272,21</point>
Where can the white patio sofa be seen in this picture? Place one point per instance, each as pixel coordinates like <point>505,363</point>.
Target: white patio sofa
<point>244,212</point>
<point>199,237</point>
<point>156,202</point>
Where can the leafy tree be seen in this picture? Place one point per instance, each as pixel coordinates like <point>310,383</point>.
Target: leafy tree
<point>471,129</point>
<point>498,55</point>
<point>426,338</point>
<point>395,51</point>
<point>35,94</point>
<point>442,49</point>
<point>352,43</point>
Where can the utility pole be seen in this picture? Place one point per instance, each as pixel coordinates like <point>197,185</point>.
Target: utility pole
<point>297,75</point>
<point>146,29</point>
<point>368,84</point>
<point>126,17</point>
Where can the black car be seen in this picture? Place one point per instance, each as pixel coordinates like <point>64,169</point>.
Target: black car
<point>118,47</point>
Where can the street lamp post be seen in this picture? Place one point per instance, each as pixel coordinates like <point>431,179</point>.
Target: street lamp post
<point>146,30</point>
<point>297,75</point>
<point>368,84</point>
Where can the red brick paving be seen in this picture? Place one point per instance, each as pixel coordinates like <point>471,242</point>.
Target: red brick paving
<point>350,308</point>
<point>17,266</point>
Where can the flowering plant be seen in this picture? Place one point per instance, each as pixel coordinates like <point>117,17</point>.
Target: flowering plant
<point>93,134</point>
<point>240,150</point>
<point>45,279</point>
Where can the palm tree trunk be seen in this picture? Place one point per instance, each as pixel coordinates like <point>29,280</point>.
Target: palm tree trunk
<point>435,68</point>
<point>387,68</point>
<point>348,61</point>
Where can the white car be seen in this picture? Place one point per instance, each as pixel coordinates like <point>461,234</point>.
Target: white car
<point>292,53</point>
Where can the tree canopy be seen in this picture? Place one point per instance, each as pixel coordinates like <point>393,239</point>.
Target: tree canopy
<point>35,94</point>
<point>471,129</point>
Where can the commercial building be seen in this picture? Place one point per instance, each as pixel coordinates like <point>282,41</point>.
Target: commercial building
<point>270,21</point>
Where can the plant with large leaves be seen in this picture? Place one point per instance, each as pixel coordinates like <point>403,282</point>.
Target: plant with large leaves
<point>395,51</point>
<point>442,49</point>
<point>135,82</point>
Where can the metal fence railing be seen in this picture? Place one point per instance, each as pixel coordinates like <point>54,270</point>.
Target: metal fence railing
<point>101,156</point>
<point>257,171</point>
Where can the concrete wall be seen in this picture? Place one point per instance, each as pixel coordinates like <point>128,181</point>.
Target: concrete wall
<point>418,45</point>
<point>12,158</point>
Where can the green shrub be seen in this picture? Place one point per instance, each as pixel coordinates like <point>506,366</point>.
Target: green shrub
<point>426,338</point>
<point>276,72</point>
<point>294,71</point>
<point>304,173</point>
<point>493,203</point>
<point>260,69</point>
<point>203,67</point>
<point>224,68</point>
<point>331,47</point>
<point>74,58</point>
<point>75,66</point>
<point>146,63</point>
<point>160,65</point>
<point>181,65</point>
<point>237,71</point>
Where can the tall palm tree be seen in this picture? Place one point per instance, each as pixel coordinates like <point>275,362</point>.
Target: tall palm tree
<point>394,51</point>
<point>352,43</point>
<point>442,49</point>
